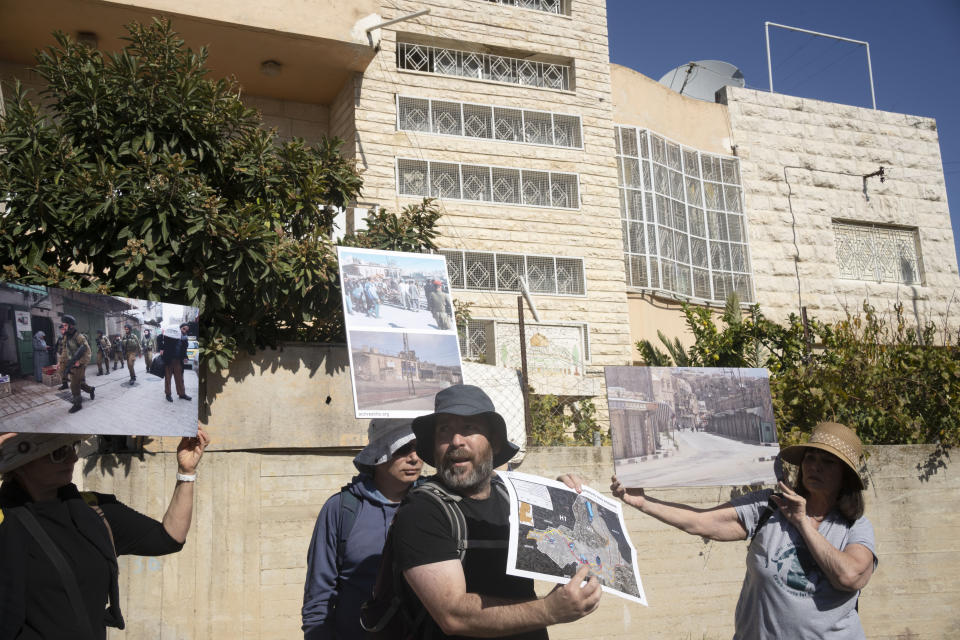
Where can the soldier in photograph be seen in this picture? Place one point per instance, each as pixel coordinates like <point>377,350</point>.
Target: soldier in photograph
<point>131,350</point>
<point>103,353</point>
<point>74,357</point>
<point>57,349</point>
<point>148,345</point>
<point>116,352</point>
<point>437,304</point>
<point>174,352</point>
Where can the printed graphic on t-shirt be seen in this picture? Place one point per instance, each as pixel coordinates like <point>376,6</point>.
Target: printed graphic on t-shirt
<point>796,573</point>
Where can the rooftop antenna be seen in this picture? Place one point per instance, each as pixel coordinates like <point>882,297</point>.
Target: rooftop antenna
<point>768,24</point>
<point>703,78</point>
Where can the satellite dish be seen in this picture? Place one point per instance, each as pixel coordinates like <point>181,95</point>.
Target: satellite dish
<point>702,79</point>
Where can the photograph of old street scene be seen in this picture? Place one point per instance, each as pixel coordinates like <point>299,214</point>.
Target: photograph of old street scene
<point>678,426</point>
<point>388,289</point>
<point>75,362</point>
<point>402,372</point>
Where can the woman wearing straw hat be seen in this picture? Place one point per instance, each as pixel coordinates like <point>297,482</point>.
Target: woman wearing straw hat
<point>348,539</point>
<point>811,550</point>
<point>59,547</point>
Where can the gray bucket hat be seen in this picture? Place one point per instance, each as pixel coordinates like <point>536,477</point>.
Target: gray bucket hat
<point>463,400</point>
<point>384,436</point>
<point>27,447</point>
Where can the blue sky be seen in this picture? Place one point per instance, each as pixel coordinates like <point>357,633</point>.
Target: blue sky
<point>914,48</point>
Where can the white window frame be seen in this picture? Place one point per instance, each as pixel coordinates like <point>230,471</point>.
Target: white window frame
<point>492,108</point>
<point>525,256</point>
<point>487,59</point>
<point>657,219</point>
<point>460,166</point>
<point>871,230</point>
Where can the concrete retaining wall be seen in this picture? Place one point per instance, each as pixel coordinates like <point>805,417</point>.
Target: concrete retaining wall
<point>241,573</point>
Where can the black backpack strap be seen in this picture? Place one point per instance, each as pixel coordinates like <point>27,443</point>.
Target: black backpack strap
<point>67,576</point>
<point>349,507</point>
<point>449,502</point>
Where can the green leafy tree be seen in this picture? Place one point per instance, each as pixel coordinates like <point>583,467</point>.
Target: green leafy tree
<point>141,176</point>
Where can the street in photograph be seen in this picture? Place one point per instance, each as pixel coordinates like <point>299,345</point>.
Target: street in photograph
<point>75,362</point>
<point>690,426</point>
<point>397,374</point>
<point>390,289</point>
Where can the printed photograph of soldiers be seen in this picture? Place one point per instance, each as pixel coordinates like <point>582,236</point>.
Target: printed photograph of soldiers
<point>71,361</point>
<point>400,372</point>
<point>691,426</point>
<point>389,289</point>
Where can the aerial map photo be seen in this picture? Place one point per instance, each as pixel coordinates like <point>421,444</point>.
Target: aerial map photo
<point>554,531</point>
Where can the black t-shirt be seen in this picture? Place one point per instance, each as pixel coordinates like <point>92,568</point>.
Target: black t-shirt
<point>422,535</point>
<point>46,608</point>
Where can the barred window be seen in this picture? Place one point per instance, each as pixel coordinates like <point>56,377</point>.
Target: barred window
<point>483,66</point>
<point>473,339</point>
<point>682,220</point>
<point>455,181</point>
<point>500,272</point>
<point>878,253</point>
<point>559,7</point>
<point>469,120</point>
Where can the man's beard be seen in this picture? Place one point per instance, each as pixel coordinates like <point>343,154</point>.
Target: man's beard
<point>464,481</point>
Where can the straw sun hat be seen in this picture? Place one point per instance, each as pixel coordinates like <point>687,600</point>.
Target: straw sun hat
<point>834,438</point>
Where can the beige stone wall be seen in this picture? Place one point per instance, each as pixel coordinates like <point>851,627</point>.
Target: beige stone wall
<point>639,101</point>
<point>241,572</point>
<point>326,19</point>
<point>592,232</point>
<point>650,314</point>
<point>292,119</point>
<point>773,131</point>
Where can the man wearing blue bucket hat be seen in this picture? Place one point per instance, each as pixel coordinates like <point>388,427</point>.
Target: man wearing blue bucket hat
<point>462,582</point>
<point>351,530</point>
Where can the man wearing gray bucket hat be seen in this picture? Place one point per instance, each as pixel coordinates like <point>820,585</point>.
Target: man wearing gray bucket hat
<point>462,583</point>
<point>351,530</point>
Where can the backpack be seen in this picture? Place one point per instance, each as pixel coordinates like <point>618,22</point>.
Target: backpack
<point>349,507</point>
<point>387,616</point>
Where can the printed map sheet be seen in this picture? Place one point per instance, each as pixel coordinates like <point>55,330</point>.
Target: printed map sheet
<point>554,530</point>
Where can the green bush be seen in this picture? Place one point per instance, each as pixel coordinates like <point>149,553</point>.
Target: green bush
<point>892,382</point>
<point>564,420</point>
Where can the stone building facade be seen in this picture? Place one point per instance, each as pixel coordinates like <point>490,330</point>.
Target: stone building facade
<point>804,219</point>
<point>511,115</point>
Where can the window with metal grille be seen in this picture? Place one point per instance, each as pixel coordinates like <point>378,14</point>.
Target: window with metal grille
<point>483,66</point>
<point>878,253</point>
<point>456,181</point>
<point>500,272</point>
<point>473,339</point>
<point>465,119</point>
<point>681,214</point>
<point>559,7</point>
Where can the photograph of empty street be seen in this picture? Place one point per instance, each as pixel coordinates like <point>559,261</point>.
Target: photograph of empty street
<point>691,426</point>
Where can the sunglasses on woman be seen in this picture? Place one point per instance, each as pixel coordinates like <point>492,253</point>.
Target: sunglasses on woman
<point>62,453</point>
<point>405,450</point>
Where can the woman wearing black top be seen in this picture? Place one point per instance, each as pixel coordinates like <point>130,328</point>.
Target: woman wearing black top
<point>59,547</point>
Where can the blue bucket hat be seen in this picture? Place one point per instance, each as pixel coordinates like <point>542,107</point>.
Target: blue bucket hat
<point>463,400</point>
<point>384,437</point>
